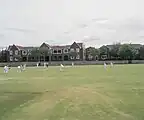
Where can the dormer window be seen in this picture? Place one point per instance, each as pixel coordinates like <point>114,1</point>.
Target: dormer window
<point>60,51</point>
<point>66,51</point>
<point>55,51</point>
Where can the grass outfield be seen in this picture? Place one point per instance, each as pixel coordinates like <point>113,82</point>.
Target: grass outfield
<point>79,93</point>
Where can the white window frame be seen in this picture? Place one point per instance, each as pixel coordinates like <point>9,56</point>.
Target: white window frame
<point>11,58</point>
<point>72,57</point>
<point>104,57</point>
<point>72,50</point>
<point>11,52</point>
<point>78,57</point>
<point>29,52</point>
<point>58,52</point>
<point>77,50</point>
<point>54,50</point>
<point>65,50</point>
<point>24,52</point>
<point>16,59</point>
<point>16,52</point>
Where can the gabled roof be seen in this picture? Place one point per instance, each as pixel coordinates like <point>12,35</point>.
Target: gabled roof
<point>61,47</point>
<point>109,46</point>
<point>10,46</point>
<point>28,48</point>
<point>19,47</point>
<point>45,44</point>
<point>80,44</point>
<point>77,44</point>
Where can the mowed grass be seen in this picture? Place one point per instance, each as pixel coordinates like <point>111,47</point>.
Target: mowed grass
<point>78,93</point>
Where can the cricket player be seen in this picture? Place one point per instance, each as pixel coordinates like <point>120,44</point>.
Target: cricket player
<point>6,69</point>
<point>24,66</point>
<point>37,64</point>
<point>47,64</point>
<point>61,66</point>
<point>44,65</point>
<point>19,69</point>
<point>72,64</point>
<point>111,64</point>
<point>105,65</point>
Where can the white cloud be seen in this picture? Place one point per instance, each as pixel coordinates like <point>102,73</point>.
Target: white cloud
<point>67,20</point>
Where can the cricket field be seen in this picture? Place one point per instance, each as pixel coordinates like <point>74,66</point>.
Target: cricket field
<point>76,93</point>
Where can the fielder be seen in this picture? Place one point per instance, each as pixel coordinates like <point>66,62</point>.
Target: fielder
<point>111,64</point>
<point>19,69</point>
<point>61,66</point>
<point>37,64</point>
<point>72,64</point>
<point>24,66</point>
<point>44,65</point>
<point>6,69</point>
<point>105,66</point>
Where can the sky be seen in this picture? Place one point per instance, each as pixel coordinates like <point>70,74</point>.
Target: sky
<point>57,22</point>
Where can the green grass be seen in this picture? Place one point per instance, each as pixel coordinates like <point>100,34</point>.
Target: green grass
<point>79,93</point>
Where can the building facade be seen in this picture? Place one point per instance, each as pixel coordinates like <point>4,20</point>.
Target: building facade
<point>46,53</point>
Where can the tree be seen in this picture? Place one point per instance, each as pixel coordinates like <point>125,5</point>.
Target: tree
<point>92,53</point>
<point>141,52</point>
<point>127,52</point>
<point>114,51</point>
<point>104,52</point>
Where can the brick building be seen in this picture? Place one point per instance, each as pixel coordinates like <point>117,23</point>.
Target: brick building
<point>46,52</point>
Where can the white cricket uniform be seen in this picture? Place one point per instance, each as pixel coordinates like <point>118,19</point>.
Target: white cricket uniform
<point>19,69</point>
<point>111,64</point>
<point>5,69</point>
<point>37,64</point>
<point>61,66</point>
<point>24,67</point>
<point>44,65</point>
<point>105,65</point>
<point>72,64</point>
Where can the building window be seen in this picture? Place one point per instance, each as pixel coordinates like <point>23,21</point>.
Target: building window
<point>72,57</point>
<point>60,51</point>
<point>77,49</point>
<point>66,51</point>
<point>77,57</point>
<point>11,58</point>
<point>90,57</point>
<point>103,57</point>
<point>29,52</point>
<point>16,59</point>
<point>24,52</point>
<point>16,52</point>
<point>11,52</point>
<point>55,51</point>
<point>72,50</point>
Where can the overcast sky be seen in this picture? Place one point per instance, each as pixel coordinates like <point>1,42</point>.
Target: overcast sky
<point>95,22</point>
